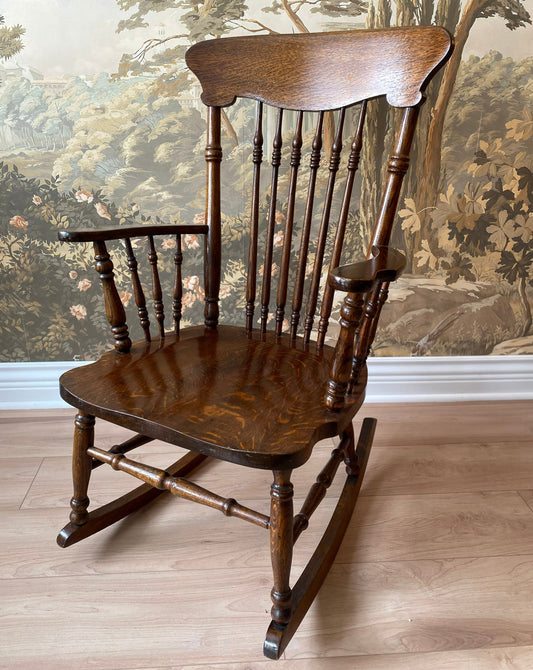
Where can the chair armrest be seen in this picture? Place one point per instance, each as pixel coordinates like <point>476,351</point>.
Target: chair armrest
<point>104,234</point>
<point>386,264</point>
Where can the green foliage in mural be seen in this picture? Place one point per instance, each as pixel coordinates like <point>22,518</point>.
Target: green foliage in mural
<point>10,39</point>
<point>129,149</point>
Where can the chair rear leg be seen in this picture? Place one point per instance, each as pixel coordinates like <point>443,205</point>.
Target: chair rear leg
<point>81,467</point>
<point>281,545</point>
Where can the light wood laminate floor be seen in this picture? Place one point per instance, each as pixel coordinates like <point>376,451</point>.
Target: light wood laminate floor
<point>435,573</point>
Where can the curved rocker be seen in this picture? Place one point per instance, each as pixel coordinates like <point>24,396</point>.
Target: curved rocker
<point>306,588</point>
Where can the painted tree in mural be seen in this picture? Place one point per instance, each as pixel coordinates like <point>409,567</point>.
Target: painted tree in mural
<point>10,39</point>
<point>214,19</point>
<point>458,18</point>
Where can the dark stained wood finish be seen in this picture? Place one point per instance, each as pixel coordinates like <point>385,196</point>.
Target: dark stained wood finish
<point>267,264</point>
<point>138,292</point>
<point>178,486</point>
<point>316,276</point>
<point>121,507</point>
<point>246,394</point>
<point>114,309</point>
<point>386,264</point>
<point>213,158</point>
<point>157,292</point>
<point>251,282</point>
<point>219,392</point>
<point>340,68</point>
<point>314,164</point>
<point>313,575</point>
<point>353,164</point>
<point>122,233</point>
<point>81,467</point>
<point>281,542</point>
<point>177,293</point>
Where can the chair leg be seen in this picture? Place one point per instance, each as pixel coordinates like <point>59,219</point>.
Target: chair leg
<point>281,544</point>
<point>307,586</point>
<point>81,467</point>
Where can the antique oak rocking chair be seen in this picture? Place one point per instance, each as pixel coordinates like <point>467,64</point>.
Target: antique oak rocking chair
<point>256,397</point>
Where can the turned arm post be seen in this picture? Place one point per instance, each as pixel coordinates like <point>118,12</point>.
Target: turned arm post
<point>113,305</point>
<point>341,366</point>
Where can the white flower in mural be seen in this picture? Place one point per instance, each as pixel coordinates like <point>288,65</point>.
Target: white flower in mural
<point>278,239</point>
<point>18,222</point>
<point>79,311</point>
<point>73,274</point>
<point>102,210</point>
<point>190,242</point>
<point>36,200</point>
<point>84,284</point>
<point>83,196</point>
<point>191,283</point>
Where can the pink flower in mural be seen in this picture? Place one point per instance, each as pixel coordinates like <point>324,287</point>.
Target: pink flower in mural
<point>285,326</point>
<point>191,242</point>
<point>73,274</point>
<point>135,207</point>
<point>199,218</point>
<point>278,239</point>
<point>84,284</point>
<point>225,290</point>
<point>36,200</point>
<point>189,298</point>
<point>191,283</point>
<point>125,297</point>
<point>83,196</point>
<point>200,293</point>
<point>169,243</point>
<point>102,210</point>
<point>79,311</point>
<point>273,271</point>
<point>18,222</point>
<point>279,216</point>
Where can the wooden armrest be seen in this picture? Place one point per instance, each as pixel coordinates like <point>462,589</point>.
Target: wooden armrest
<point>386,264</point>
<point>104,234</point>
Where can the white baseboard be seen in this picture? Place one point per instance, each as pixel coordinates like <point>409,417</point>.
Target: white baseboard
<point>431,379</point>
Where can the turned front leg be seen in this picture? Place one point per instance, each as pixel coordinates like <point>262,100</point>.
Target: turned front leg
<point>281,543</point>
<point>81,467</point>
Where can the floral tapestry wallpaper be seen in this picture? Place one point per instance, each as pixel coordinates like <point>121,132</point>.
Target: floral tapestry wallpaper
<point>101,124</point>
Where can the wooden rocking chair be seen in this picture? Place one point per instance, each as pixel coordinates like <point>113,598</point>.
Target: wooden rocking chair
<point>242,393</point>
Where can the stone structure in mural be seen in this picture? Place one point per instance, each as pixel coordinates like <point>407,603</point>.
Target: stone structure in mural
<point>90,150</point>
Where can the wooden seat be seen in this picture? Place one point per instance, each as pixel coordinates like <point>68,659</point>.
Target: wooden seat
<point>243,393</point>
<point>220,393</point>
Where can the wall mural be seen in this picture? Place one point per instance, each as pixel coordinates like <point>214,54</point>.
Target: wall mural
<point>100,123</point>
